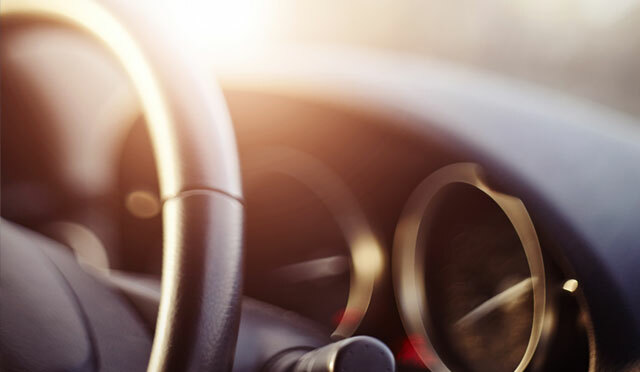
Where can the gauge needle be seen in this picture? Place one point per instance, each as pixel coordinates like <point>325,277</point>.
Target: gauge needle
<point>507,296</point>
<point>314,269</point>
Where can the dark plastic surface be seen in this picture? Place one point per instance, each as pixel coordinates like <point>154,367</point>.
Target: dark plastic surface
<point>56,317</point>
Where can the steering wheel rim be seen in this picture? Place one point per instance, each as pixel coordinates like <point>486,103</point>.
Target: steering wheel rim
<point>199,180</point>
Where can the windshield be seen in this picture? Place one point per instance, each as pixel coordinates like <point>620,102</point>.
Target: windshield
<point>586,48</point>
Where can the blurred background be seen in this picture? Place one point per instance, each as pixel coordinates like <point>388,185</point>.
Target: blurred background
<point>587,48</point>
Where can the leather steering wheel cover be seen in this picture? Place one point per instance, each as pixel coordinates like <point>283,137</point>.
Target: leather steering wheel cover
<point>197,163</point>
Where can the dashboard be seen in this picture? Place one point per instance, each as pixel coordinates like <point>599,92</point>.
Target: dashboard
<point>377,174</point>
<point>461,243</point>
<point>325,198</point>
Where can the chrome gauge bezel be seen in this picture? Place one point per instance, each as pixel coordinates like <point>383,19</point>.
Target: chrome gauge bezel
<point>409,258</point>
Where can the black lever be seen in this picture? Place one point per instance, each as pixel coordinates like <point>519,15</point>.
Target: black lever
<point>354,354</point>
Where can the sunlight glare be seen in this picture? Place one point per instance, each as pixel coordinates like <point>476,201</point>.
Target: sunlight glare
<point>220,25</point>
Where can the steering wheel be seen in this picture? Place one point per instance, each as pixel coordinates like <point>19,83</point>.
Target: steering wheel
<point>197,162</point>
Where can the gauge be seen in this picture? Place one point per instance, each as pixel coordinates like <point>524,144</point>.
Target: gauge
<point>310,247</point>
<point>469,274</point>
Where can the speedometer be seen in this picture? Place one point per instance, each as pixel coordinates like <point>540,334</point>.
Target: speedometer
<point>469,274</point>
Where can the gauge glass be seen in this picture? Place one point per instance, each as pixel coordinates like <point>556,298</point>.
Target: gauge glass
<point>311,247</point>
<point>298,257</point>
<point>478,283</point>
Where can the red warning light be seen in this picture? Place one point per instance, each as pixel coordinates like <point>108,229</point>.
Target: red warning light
<point>409,354</point>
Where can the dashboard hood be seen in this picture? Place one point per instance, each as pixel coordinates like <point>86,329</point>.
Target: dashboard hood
<point>574,163</point>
